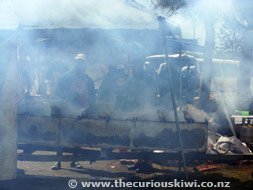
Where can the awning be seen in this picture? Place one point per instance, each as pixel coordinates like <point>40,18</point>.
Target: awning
<point>44,14</point>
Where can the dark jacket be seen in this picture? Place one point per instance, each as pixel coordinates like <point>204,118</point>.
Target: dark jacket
<point>113,84</point>
<point>141,91</point>
<point>64,89</point>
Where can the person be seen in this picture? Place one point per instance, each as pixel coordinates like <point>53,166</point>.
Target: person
<point>112,96</point>
<point>141,89</point>
<point>164,86</point>
<point>113,87</point>
<point>77,89</point>
<point>142,94</point>
<point>190,82</point>
<point>76,86</point>
<point>52,75</point>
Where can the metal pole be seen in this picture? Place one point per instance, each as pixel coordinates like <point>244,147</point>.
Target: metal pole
<point>175,110</point>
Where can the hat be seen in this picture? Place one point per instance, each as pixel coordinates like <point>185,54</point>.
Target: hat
<point>80,56</point>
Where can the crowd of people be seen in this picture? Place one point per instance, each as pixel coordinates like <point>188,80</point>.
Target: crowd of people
<point>126,87</point>
<point>124,92</point>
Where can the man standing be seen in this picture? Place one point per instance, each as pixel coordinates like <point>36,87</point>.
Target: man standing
<point>76,89</point>
<point>75,86</point>
<point>142,90</point>
<point>113,87</point>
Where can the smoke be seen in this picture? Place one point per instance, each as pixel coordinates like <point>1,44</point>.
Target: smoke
<point>8,100</point>
<point>49,34</point>
<point>109,33</point>
<point>74,14</point>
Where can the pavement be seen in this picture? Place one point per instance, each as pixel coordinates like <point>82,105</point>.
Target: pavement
<point>39,176</point>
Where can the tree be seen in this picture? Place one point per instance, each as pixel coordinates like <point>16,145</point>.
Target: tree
<point>228,37</point>
<point>169,6</point>
<point>244,16</point>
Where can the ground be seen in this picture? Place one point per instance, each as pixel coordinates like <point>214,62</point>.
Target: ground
<point>39,176</point>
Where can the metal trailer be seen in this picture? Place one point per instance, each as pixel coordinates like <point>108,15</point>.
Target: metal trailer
<point>141,137</point>
<point>100,133</point>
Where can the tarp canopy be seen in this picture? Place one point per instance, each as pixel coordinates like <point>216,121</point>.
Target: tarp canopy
<point>47,14</point>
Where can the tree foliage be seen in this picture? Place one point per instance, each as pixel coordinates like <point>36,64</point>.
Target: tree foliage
<point>228,38</point>
<point>170,6</point>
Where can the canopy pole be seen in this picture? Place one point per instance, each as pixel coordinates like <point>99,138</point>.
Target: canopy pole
<point>8,107</point>
<point>175,109</point>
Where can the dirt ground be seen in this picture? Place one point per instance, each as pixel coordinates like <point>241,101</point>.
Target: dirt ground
<point>39,176</point>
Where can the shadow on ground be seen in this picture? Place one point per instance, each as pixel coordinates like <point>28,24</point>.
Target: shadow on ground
<point>31,182</point>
